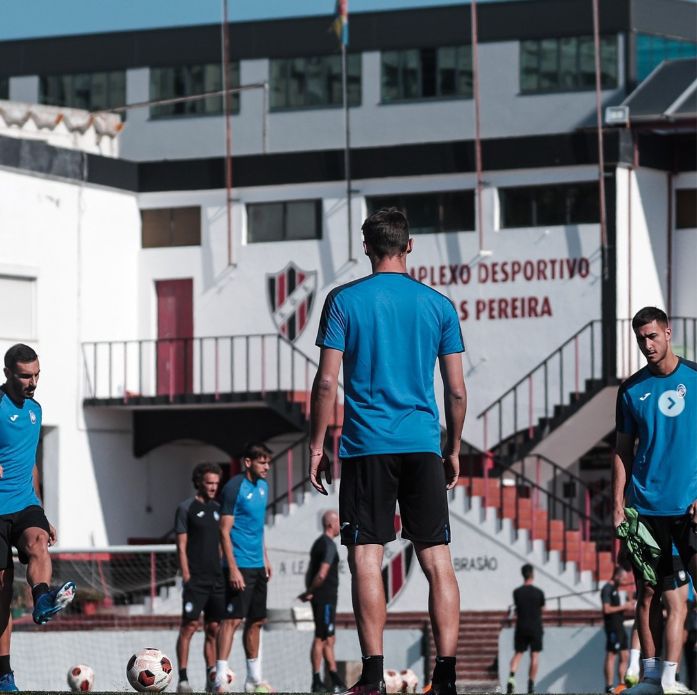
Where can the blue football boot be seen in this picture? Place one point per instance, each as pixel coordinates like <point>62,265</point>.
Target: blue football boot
<point>50,603</point>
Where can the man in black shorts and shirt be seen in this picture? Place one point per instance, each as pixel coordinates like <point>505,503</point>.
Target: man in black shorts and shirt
<point>615,634</point>
<point>322,587</point>
<point>529,602</point>
<point>198,551</point>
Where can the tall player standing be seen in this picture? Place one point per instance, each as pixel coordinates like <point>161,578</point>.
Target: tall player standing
<point>389,330</point>
<point>23,523</point>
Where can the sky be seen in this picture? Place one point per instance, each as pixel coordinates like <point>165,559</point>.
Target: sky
<point>36,18</point>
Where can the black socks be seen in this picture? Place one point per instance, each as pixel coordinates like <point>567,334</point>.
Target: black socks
<point>444,670</point>
<point>38,590</point>
<point>372,669</point>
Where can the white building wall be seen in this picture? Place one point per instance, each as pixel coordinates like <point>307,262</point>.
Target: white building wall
<point>685,259</point>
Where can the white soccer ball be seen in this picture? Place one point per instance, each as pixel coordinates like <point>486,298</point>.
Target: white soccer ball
<point>149,670</point>
<point>229,678</point>
<point>410,682</point>
<point>393,681</point>
<point>80,678</point>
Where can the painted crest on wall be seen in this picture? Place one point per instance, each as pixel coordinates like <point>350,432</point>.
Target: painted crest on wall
<point>397,562</point>
<point>291,293</point>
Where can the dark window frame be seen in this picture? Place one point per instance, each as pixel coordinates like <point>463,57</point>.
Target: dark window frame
<point>430,58</point>
<point>529,201</point>
<point>173,227</point>
<point>191,109</point>
<point>319,232</point>
<point>63,90</point>
<point>279,71</point>
<point>686,208</point>
<point>4,87</point>
<point>441,226</point>
<point>609,73</point>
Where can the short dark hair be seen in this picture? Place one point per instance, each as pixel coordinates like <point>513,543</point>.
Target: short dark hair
<point>648,314</point>
<point>19,353</point>
<point>386,232</point>
<point>526,570</point>
<point>254,450</point>
<point>200,471</point>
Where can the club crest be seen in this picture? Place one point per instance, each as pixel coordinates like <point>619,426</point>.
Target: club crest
<point>399,555</point>
<point>291,293</point>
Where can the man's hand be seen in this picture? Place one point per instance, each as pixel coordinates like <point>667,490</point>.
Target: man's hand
<point>451,464</point>
<point>267,567</point>
<point>692,511</point>
<point>236,579</point>
<point>319,463</point>
<point>1,471</point>
<point>186,578</point>
<point>305,596</point>
<point>618,517</point>
<point>52,535</point>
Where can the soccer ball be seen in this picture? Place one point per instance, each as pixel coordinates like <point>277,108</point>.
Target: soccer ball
<point>229,678</point>
<point>393,681</point>
<point>80,678</point>
<point>404,681</point>
<point>409,681</point>
<point>263,687</point>
<point>149,670</point>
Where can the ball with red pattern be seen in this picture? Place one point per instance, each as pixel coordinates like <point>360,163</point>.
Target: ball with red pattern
<point>149,670</point>
<point>227,681</point>
<point>80,678</point>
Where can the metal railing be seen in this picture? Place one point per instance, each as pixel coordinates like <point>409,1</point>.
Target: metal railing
<point>211,366</point>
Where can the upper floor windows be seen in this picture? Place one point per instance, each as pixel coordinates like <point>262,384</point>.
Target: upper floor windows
<point>430,213</point>
<point>314,82</point>
<point>284,221</point>
<point>566,64</point>
<point>171,227</point>
<point>686,208</point>
<point>4,87</point>
<point>424,73</point>
<point>92,91</point>
<point>554,204</point>
<point>189,80</point>
<point>651,51</point>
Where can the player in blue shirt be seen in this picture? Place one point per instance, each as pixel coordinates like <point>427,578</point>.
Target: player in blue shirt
<point>246,563</point>
<point>390,330</point>
<point>657,414</point>
<point>23,523</point>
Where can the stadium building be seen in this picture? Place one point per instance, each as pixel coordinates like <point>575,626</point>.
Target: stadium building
<point>173,292</point>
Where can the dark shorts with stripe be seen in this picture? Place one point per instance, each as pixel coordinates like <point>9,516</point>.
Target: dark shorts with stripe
<point>204,594</point>
<point>324,614</point>
<point>666,531</point>
<point>12,526</point>
<point>372,485</point>
<point>616,639</point>
<point>250,603</point>
<point>527,639</point>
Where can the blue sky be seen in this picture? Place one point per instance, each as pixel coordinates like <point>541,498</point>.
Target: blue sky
<point>34,18</point>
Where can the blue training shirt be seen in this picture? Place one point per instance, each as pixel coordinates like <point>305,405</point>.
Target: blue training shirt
<point>661,412</point>
<point>20,427</point>
<point>246,501</point>
<point>391,329</point>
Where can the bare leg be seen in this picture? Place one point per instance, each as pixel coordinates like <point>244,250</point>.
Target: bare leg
<point>515,661</point>
<point>250,638</point>
<point>328,652</point>
<point>209,643</point>
<point>648,619</point>
<point>34,542</point>
<point>6,579</point>
<point>534,665</point>
<point>226,632</point>
<point>675,601</point>
<point>609,668</point>
<point>368,593</point>
<point>624,660</point>
<point>443,596</point>
<point>316,652</point>
<point>186,632</point>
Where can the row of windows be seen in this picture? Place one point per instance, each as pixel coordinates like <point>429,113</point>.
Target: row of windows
<point>546,65</point>
<point>4,88</point>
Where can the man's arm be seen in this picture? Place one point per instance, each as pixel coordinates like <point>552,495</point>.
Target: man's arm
<point>182,542</point>
<point>621,471</point>
<point>234,575</point>
<point>322,402</point>
<point>316,582</point>
<point>267,563</point>
<point>455,396</point>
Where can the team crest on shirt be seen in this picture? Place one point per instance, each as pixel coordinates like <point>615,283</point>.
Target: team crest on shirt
<point>32,417</point>
<point>291,294</point>
<point>216,516</point>
<point>681,390</point>
<point>399,555</point>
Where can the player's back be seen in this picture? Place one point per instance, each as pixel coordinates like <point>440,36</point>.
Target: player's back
<point>391,330</point>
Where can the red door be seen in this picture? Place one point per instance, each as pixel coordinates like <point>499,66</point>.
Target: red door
<point>175,332</point>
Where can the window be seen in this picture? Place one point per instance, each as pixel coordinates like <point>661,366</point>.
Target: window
<point>91,91</point>
<point>314,82</point>
<point>424,73</point>
<point>18,314</point>
<point>171,227</point>
<point>284,221</point>
<point>4,87</point>
<point>538,206</point>
<point>686,208</point>
<point>565,65</point>
<point>188,80</point>
<point>653,50</point>
<point>430,213</point>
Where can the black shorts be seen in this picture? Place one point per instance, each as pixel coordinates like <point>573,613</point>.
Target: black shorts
<point>669,530</point>
<point>616,639</point>
<point>250,603</point>
<point>12,526</point>
<point>204,595</point>
<point>370,488</point>
<point>527,639</point>
<point>324,613</point>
